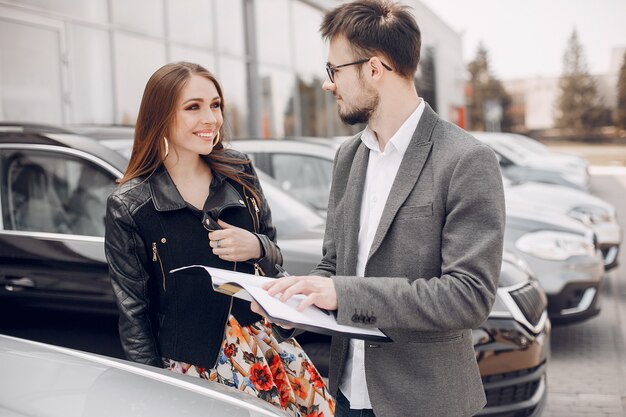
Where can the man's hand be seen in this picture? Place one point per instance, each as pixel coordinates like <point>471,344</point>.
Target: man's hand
<point>319,291</point>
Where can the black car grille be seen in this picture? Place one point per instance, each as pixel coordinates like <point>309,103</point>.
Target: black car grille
<point>512,375</point>
<point>511,394</point>
<point>527,412</point>
<point>531,300</point>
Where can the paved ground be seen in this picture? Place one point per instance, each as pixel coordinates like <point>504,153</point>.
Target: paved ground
<point>587,371</point>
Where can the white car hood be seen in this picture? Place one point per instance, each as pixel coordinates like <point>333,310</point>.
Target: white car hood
<point>523,215</point>
<point>49,381</point>
<point>552,197</point>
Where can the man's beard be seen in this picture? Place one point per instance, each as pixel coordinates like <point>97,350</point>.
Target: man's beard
<point>362,113</point>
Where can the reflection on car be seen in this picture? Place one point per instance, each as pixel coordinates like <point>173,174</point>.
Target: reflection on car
<point>64,266</point>
<point>42,380</point>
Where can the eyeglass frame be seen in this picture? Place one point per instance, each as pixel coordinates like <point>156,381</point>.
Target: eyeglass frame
<point>331,69</point>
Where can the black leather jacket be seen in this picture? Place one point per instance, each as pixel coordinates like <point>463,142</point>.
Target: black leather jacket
<point>151,230</point>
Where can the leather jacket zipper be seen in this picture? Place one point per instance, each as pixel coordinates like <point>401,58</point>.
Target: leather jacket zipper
<point>156,257</point>
<point>255,225</point>
<point>256,212</point>
<point>255,217</point>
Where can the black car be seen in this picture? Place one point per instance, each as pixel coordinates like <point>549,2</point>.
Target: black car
<point>53,190</point>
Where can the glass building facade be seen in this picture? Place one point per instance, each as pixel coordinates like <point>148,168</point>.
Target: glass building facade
<point>77,62</point>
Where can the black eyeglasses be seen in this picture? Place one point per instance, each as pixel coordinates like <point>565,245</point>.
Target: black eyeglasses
<point>331,69</point>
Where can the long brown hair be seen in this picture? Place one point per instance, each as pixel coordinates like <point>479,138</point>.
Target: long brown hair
<point>156,115</point>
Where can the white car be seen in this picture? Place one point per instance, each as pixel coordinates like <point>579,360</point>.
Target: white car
<point>42,380</point>
<point>521,160</point>
<point>587,209</point>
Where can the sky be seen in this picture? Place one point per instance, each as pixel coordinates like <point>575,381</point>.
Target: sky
<point>527,38</point>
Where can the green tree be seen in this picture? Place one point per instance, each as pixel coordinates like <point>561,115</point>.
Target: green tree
<point>487,98</point>
<point>620,119</point>
<point>578,105</point>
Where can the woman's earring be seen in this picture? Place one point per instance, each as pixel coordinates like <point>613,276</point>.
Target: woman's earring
<point>216,139</point>
<point>167,148</point>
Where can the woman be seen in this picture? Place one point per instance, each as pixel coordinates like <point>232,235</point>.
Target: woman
<point>186,200</point>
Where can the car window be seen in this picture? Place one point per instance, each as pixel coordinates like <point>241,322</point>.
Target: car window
<point>305,177</point>
<point>45,191</point>
<point>290,216</point>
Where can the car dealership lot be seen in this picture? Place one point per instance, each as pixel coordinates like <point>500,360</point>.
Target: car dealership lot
<point>586,373</point>
<point>50,206</point>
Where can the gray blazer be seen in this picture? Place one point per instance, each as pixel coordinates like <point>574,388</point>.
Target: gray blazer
<point>432,270</point>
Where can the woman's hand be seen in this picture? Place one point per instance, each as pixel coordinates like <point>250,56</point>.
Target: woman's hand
<point>254,306</point>
<point>234,244</point>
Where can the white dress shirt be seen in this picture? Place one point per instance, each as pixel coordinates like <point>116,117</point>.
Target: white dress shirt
<point>381,173</point>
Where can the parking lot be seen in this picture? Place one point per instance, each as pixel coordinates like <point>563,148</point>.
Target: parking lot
<point>587,371</point>
<point>586,374</point>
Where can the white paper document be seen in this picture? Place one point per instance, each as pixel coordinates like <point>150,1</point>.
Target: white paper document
<point>248,287</point>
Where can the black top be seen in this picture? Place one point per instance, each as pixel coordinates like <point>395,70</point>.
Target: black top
<point>151,230</point>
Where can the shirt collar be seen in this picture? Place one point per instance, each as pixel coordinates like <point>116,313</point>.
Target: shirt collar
<point>401,139</point>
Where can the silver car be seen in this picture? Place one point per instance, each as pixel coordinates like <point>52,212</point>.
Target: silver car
<point>564,256</point>
<point>521,162</point>
<point>585,208</point>
<point>42,380</point>
<point>303,167</point>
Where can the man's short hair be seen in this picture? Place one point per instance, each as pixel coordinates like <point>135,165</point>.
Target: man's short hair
<point>377,27</point>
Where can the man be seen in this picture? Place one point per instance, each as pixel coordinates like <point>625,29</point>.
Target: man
<point>413,240</point>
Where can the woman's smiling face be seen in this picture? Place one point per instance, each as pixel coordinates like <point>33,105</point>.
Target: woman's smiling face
<point>198,118</point>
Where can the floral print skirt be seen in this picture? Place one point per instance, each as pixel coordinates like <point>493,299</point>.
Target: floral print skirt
<point>252,360</point>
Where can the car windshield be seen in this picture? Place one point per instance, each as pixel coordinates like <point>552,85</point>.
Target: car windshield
<point>531,145</point>
<point>510,149</point>
<point>291,217</point>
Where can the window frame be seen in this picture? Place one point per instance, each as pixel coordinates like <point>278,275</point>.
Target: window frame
<point>54,149</point>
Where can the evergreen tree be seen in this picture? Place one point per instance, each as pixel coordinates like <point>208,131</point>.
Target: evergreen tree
<point>486,92</point>
<point>620,119</point>
<point>578,106</point>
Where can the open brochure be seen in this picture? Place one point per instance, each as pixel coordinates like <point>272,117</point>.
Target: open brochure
<point>248,287</point>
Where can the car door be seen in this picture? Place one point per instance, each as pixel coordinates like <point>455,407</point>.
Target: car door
<point>53,201</point>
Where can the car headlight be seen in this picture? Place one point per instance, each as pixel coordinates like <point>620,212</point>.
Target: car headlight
<point>591,215</point>
<point>555,246</point>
